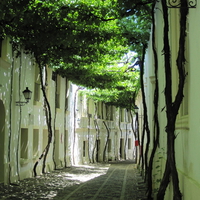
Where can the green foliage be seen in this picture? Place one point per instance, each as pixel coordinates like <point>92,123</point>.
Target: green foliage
<point>63,31</point>
<point>134,7</point>
<point>121,93</point>
<point>137,30</point>
<point>83,40</point>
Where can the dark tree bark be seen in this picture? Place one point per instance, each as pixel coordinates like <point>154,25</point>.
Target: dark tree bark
<point>48,121</point>
<point>144,156</point>
<point>125,145</point>
<point>20,118</point>
<point>156,128</point>
<point>135,133</point>
<point>95,145</point>
<point>48,118</point>
<point>10,118</point>
<point>120,148</point>
<point>89,121</point>
<point>65,125</point>
<point>172,108</point>
<point>54,124</point>
<point>97,136</point>
<point>95,124</point>
<point>75,97</point>
<point>138,138</point>
<point>106,145</point>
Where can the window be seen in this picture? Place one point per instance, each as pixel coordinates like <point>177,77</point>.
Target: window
<point>128,116</point>
<point>37,85</point>
<point>35,141</point>
<point>45,139</point>
<point>58,82</point>
<point>122,114</point>
<point>54,75</point>
<point>122,148</point>
<point>84,148</point>
<point>57,100</point>
<point>67,95</point>
<point>99,109</point>
<point>90,107</point>
<point>129,143</point>
<point>24,143</point>
<point>57,144</point>
<point>103,111</point>
<point>37,92</point>
<point>111,113</point>
<point>98,149</point>
<point>109,145</point>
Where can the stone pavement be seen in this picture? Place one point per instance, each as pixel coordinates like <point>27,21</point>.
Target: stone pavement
<point>109,181</point>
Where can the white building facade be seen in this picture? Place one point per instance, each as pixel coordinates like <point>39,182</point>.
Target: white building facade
<point>187,123</point>
<point>82,131</point>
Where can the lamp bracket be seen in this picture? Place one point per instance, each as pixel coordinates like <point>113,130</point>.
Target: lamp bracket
<point>177,4</point>
<point>21,103</point>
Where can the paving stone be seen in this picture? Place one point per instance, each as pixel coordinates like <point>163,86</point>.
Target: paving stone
<point>110,181</point>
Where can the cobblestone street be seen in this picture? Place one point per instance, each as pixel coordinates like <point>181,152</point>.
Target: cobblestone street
<point>115,180</point>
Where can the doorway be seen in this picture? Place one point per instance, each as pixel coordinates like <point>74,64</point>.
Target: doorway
<point>98,150</point>
<point>122,148</point>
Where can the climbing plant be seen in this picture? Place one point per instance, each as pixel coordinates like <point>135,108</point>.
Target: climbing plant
<point>173,106</point>
<point>83,41</point>
<point>156,125</point>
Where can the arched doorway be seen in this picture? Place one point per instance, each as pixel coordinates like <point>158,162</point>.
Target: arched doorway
<point>2,136</point>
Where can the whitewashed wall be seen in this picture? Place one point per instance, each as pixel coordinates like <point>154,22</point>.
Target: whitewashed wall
<point>187,125</point>
<point>24,131</point>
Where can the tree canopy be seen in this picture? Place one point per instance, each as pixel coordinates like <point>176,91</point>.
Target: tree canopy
<point>121,94</point>
<point>83,40</point>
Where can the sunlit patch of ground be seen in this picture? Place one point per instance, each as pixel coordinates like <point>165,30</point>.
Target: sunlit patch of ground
<point>48,185</point>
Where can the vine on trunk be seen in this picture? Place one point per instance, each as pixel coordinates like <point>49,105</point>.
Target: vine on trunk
<point>156,127</point>
<point>65,124</point>
<point>145,122</point>
<point>172,107</point>
<point>108,135</point>
<point>97,134</point>
<point>54,125</point>
<point>48,121</point>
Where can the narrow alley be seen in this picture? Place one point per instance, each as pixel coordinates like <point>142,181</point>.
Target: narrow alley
<point>114,180</point>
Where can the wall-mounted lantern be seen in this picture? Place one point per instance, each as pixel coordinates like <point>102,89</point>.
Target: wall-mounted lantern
<point>136,109</point>
<point>27,95</point>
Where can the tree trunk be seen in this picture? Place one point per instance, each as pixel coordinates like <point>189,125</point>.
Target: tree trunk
<point>89,116</point>
<point>10,118</point>
<point>164,182</point>
<point>54,125</point>
<point>65,125</point>
<point>135,133</point>
<point>125,145</point>
<point>95,145</point>
<point>74,139</point>
<point>172,162</point>
<point>138,138</point>
<point>173,107</point>
<point>108,135</point>
<point>48,121</point>
<point>156,130</point>
<point>144,156</point>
